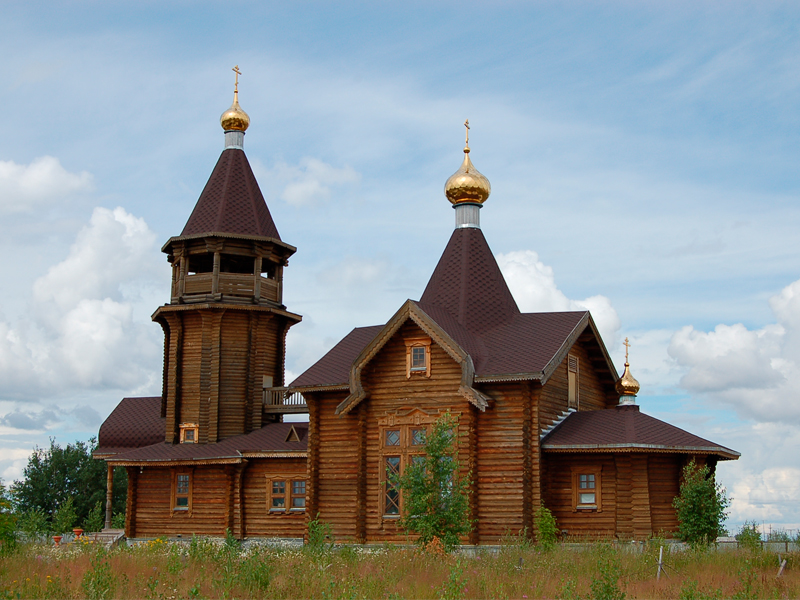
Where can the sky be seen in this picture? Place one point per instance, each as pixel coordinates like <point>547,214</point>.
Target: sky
<point>643,161</point>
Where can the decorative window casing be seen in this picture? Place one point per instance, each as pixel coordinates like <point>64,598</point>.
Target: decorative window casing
<point>573,381</point>
<point>418,356</point>
<point>286,495</point>
<point>586,489</point>
<point>189,433</point>
<point>182,491</point>
<point>402,438</point>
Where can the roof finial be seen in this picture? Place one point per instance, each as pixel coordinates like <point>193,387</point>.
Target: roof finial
<point>467,185</point>
<point>627,386</point>
<point>466,144</point>
<point>236,84</point>
<point>235,119</point>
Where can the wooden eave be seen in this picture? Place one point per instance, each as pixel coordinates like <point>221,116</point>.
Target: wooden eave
<point>569,342</point>
<point>723,453</point>
<point>287,248</point>
<point>183,462</point>
<point>275,454</point>
<point>411,310</point>
<point>338,387</point>
<point>537,376</point>
<point>225,306</point>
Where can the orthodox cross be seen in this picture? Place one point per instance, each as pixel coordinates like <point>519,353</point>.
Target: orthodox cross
<point>238,72</point>
<point>627,345</point>
<point>466,124</point>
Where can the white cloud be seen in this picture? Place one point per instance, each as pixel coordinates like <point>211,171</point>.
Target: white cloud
<point>24,187</point>
<point>757,372</point>
<point>534,288</point>
<point>308,183</point>
<point>84,328</point>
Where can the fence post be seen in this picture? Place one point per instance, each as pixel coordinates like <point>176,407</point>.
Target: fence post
<point>660,563</point>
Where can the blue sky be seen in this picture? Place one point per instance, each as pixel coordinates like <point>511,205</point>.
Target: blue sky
<point>643,160</point>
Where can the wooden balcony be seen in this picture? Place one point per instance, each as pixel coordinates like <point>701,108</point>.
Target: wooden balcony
<point>284,401</point>
<point>230,287</point>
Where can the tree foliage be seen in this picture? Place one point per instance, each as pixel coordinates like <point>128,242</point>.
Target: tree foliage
<point>700,506</point>
<point>55,474</point>
<point>435,498</point>
<point>546,528</point>
<point>8,538</point>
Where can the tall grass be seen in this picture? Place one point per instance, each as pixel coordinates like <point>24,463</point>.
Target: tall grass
<point>206,569</point>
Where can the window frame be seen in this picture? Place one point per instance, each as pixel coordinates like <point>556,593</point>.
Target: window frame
<point>406,422</point>
<point>184,428</point>
<point>576,490</point>
<point>288,495</point>
<point>418,342</point>
<point>174,496</point>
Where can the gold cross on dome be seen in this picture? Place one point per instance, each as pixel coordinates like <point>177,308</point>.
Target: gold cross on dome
<point>466,124</point>
<point>627,345</point>
<point>238,72</point>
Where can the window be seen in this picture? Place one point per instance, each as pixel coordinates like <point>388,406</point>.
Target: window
<point>189,433</point>
<point>418,357</point>
<point>586,489</point>
<point>181,491</point>
<point>573,398</point>
<point>286,495</point>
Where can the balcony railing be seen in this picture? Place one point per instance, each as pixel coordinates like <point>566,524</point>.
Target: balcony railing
<point>231,285</point>
<point>283,400</point>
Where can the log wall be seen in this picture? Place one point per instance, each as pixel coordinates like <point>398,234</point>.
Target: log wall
<point>259,522</point>
<point>664,472</point>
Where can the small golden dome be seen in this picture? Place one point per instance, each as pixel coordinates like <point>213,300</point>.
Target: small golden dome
<point>467,185</point>
<point>235,119</point>
<point>627,385</point>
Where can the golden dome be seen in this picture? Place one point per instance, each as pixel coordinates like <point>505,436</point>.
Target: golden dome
<point>467,184</point>
<point>627,385</point>
<point>235,119</point>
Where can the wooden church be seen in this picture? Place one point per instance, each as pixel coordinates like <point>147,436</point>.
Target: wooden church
<point>543,415</point>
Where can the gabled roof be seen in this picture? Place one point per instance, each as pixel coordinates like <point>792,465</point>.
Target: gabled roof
<point>269,441</point>
<point>468,302</point>
<point>468,284</point>
<point>333,369</point>
<point>134,423</point>
<point>625,429</point>
<point>231,202</point>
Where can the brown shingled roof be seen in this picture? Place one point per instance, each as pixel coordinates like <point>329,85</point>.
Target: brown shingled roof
<point>468,284</point>
<point>134,423</point>
<point>333,369</point>
<point>270,439</point>
<point>624,428</point>
<point>231,202</point>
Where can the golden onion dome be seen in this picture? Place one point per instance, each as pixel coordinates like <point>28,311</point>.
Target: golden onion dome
<point>467,185</point>
<point>627,385</point>
<point>235,119</point>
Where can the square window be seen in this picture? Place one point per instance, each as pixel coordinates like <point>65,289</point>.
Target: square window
<point>393,437</point>
<point>418,356</point>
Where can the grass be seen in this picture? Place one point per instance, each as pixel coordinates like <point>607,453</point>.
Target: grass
<point>205,569</point>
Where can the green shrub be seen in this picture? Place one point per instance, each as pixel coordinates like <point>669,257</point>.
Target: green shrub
<point>118,520</point>
<point>546,528</point>
<point>8,525</point>
<point>605,585</point>
<point>700,506</point>
<point>320,536</point>
<point>64,517</point>
<point>96,518</point>
<point>98,582</point>
<point>34,524</point>
<point>435,498</point>
<point>749,537</point>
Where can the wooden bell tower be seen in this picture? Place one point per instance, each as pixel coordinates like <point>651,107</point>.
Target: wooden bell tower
<point>225,325</point>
